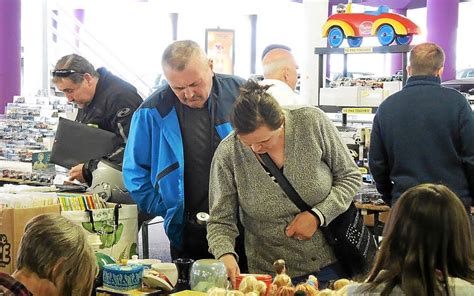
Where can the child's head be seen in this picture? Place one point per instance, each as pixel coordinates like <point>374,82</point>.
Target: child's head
<point>428,230</point>
<point>429,223</point>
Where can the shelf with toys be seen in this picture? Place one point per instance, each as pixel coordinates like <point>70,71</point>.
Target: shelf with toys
<point>394,33</point>
<point>361,93</point>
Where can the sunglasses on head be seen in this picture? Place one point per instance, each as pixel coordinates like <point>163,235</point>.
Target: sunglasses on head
<point>65,72</point>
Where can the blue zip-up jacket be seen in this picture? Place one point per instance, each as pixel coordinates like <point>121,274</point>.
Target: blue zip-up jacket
<point>423,134</point>
<point>153,167</point>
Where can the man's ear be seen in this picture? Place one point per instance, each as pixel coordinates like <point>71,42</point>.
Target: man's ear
<point>88,77</point>
<point>409,70</point>
<point>210,62</point>
<point>286,74</point>
<point>440,71</point>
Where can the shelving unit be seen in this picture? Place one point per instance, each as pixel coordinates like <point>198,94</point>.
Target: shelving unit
<point>321,51</point>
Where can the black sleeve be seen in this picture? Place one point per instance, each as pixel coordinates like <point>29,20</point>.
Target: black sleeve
<point>119,113</point>
<point>121,109</point>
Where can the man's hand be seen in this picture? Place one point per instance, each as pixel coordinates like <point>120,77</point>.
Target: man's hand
<point>76,173</point>
<point>303,226</point>
<point>231,266</point>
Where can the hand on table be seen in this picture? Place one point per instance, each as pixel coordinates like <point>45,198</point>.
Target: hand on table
<point>76,173</point>
<point>231,266</point>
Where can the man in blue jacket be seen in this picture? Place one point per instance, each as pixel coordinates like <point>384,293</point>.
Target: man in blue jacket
<point>423,133</point>
<point>171,144</point>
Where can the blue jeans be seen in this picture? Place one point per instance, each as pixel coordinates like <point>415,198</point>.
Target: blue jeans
<point>329,273</point>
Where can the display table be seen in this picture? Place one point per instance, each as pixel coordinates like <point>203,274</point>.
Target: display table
<point>371,209</point>
<point>102,291</point>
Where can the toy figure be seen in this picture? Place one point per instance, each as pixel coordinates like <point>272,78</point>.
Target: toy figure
<point>313,281</point>
<point>340,283</point>
<point>251,284</point>
<point>308,289</point>
<point>280,266</point>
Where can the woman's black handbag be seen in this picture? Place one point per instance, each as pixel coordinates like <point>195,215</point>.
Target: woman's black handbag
<point>352,242</point>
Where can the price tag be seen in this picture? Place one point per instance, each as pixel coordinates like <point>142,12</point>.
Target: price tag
<point>358,50</point>
<point>357,110</point>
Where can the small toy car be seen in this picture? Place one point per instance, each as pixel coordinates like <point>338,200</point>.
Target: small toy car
<point>388,27</point>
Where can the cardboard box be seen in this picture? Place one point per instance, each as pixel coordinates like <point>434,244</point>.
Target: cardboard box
<point>340,96</point>
<point>12,225</point>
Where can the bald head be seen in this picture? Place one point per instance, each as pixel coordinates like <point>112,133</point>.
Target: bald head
<point>280,64</point>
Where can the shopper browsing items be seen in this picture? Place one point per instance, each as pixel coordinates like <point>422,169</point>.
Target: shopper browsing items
<point>54,259</point>
<point>104,101</point>
<point>306,146</point>
<point>423,133</point>
<point>173,137</point>
<point>427,247</point>
<point>279,67</point>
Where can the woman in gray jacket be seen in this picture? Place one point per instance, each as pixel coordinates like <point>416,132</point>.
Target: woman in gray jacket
<point>306,146</point>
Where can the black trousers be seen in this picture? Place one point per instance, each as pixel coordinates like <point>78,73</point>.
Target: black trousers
<point>195,245</point>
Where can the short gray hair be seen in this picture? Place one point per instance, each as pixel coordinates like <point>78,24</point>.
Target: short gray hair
<point>56,249</point>
<point>178,54</point>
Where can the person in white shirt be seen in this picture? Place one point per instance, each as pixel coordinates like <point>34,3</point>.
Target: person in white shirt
<point>280,70</point>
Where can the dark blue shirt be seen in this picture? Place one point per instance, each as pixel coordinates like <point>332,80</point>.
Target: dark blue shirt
<point>423,134</point>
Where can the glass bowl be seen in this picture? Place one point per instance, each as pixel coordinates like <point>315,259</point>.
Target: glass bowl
<point>206,274</point>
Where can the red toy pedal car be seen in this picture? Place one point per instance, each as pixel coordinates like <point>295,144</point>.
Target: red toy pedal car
<point>388,27</point>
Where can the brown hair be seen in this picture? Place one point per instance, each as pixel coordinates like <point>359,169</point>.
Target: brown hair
<point>254,108</point>
<point>428,230</point>
<point>56,249</point>
<point>426,59</point>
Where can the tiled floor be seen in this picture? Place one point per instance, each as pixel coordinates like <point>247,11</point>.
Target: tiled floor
<point>159,245</point>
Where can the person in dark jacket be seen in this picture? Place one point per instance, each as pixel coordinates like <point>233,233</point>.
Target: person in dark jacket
<point>423,133</point>
<point>104,100</point>
<point>172,141</point>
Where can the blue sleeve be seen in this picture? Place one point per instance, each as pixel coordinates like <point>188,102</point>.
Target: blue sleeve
<point>137,163</point>
<point>378,162</point>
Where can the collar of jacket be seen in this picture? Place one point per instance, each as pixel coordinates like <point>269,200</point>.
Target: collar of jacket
<point>423,80</point>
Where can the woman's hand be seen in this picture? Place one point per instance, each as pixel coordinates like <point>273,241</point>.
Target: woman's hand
<point>232,267</point>
<point>303,226</point>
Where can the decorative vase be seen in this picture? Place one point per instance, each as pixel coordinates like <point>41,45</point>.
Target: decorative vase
<point>206,274</point>
<point>184,266</point>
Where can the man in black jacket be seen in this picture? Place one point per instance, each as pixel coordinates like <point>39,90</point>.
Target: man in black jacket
<point>104,100</point>
<point>423,133</point>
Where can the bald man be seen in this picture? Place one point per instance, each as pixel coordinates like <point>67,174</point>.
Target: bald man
<point>279,69</point>
<point>280,64</point>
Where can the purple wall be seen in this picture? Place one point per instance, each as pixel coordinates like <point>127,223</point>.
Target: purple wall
<point>10,51</point>
<point>442,24</point>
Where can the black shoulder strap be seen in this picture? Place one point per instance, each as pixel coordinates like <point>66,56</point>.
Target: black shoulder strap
<point>284,183</point>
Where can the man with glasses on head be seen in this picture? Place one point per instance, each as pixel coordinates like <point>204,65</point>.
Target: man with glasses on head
<point>104,100</point>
